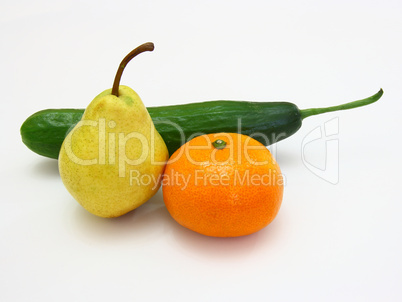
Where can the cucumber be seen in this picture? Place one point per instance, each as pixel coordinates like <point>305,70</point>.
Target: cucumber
<point>268,122</point>
<point>44,131</point>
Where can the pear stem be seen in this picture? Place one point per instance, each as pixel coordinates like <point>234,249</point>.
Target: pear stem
<point>149,46</point>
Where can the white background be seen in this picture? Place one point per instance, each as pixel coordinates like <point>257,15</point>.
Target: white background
<point>329,242</point>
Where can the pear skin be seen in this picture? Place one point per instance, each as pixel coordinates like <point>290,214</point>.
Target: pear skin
<point>112,161</point>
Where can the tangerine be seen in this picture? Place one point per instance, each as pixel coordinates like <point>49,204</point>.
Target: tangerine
<point>223,185</point>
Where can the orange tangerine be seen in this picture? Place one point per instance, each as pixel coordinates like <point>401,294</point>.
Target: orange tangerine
<point>223,185</point>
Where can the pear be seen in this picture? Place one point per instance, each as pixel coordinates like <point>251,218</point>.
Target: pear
<point>112,161</point>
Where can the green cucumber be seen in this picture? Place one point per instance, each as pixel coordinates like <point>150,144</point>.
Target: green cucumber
<point>268,122</point>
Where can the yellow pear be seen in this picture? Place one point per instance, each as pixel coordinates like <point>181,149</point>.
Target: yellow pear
<point>112,161</point>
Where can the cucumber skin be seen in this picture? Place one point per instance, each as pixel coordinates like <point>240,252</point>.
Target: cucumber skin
<point>44,131</point>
